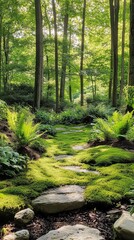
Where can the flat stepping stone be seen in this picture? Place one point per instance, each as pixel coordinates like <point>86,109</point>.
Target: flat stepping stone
<point>79,147</point>
<point>72,131</point>
<point>76,232</point>
<point>79,169</point>
<point>78,127</point>
<point>60,199</point>
<point>60,129</point>
<point>61,157</point>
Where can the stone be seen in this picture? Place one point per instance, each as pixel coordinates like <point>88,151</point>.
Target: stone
<point>76,232</point>
<point>60,199</point>
<point>79,147</point>
<point>79,169</point>
<point>19,235</point>
<point>24,216</point>
<point>62,157</point>
<point>124,226</point>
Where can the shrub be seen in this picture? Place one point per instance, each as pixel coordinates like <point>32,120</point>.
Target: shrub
<point>21,123</point>
<point>11,162</point>
<point>3,110</point>
<point>116,126</point>
<point>47,129</point>
<point>46,117</point>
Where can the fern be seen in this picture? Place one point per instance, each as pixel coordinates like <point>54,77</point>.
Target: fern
<point>115,127</point>
<point>21,123</point>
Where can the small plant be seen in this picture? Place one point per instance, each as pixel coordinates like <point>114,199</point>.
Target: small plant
<point>117,126</point>
<point>3,110</point>
<point>47,129</point>
<point>11,162</point>
<point>21,123</point>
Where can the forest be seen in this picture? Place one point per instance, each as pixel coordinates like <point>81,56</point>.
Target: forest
<point>67,119</point>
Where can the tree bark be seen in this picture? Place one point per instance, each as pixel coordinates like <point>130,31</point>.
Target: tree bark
<point>39,55</point>
<point>56,56</point>
<point>114,12</point>
<point>123,49</point>
<point>6,58</point>
<point>131,64</point>
<point>82,53</point>
<point>64,55</point>
<point>0,53</point>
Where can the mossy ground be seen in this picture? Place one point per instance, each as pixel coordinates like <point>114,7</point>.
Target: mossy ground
<point>115,165</point>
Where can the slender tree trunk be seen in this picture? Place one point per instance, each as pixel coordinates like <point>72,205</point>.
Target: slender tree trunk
<point>131,64</point>
<point>123,48</point>
<point>70,84</point>
<point>0,53</point>
<point>82,53</point>
<point>56,56</point>
<point>39,55</point>
<point>48,76</point>
<point>114,12</point>
<point>64,56</point>
<point>6,58</point>
<point>111,57</point>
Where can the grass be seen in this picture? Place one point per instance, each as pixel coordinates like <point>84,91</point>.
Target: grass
<point>115,165</point>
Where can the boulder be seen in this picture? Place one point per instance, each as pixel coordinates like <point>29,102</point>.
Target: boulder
<point>24,216</point>
<point>19,235</point>
<point>60,199</point>
<point>76,232</point>
<point>124,226</point>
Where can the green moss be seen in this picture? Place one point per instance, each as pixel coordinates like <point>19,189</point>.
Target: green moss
<point>108,187</point>
<point>106,155</point>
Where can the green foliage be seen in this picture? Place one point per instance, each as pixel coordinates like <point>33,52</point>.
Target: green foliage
<point>115,127</point>
<point>3,140</point>
<point>11,162</point>
<point>21,123</point>
<point>3,110</point>
<point>46,117</point>
<point>130,96</point>
<point>106,155</point>
<point>47,129</point>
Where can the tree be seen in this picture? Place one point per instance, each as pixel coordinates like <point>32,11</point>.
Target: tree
<point>131,64</point>
<point>82,53</point>
<point>123,48</point>
<point>56,56</point>
<point>114,12</point>
<point>130,103</point>
<point>39,55</point>
<point>64,54</point>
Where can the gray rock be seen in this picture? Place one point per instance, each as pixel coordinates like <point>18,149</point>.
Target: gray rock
<point>79,169</point>
<point>79,147</point>
<point>24,216</point>
<point>61,157</point>
<point>19,235</point>
<point>77,232</point>
<point>124,226</point>
<point>60,199</point>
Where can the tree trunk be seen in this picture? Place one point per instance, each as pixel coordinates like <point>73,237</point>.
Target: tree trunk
<point>6,58</point>
<point>69,66</point>
<point>82,53</point>
<point>131,64</point>
<point>39,55</point>
<point>114,12</point>
<point>0,53</point>
<point>56,56</point>
<point>64,55</point>
<point>123,47</point>
<point>111,57</point>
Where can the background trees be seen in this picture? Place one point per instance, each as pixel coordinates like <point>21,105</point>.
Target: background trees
<point>68,35</point>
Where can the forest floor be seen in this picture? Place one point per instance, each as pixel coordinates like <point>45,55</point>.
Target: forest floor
<point>104,191</point>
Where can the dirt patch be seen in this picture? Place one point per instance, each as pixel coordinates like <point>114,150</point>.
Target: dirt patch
<point>122,143</point>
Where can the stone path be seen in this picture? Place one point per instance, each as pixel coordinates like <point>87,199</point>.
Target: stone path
<point>76,232</point>
<point>60,199</point>
<point>79,169</point>
<point>62,157</point>
<point>79,147</point>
